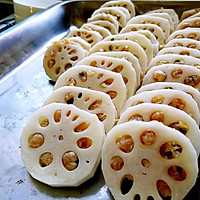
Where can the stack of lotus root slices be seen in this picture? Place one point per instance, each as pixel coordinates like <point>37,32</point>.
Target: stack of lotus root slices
<point>127,94</point>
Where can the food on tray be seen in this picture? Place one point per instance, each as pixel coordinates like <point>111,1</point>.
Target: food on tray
<point>180,50</point>
<point>100,29</point>
<point>148,160</point>
<point>174,59</point>
<point>184,42</point>
<point>122,15</point>
<point>174,98</point>
<point>170,85</point>
<point>61,145</point>
<point>122,3</point>
<point>117,65</point>
<point>92,37</point>
<point>193,22</point>
<point>93,101</point>
<point>188,13</point>
<point>97,79</point>
<point>171,117</point>
<point>153,28</point>
<point>191,33</point>
<point>122,45</point>
<point>62,55</point>
<point>171,12</point>
<point>185,74</point>
<point>143,41</point>
<point>148,19</point>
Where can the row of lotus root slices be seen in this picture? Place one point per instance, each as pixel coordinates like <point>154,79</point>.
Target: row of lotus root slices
<point>169,91</point>
<point>62,144</point>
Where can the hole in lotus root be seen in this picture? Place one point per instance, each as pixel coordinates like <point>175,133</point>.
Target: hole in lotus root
<point>94,105</point>
<point>192,80</point>
<point>176,73</point>
<point>178,44</point>
<point>43,121</point>
<point>118,68</point>
<point>57,116</point>
<point>197,24</point>
<point>185,53</point>
<point>170,150</point>
<point>157,99</point>
<point>36,140</point>
<point>158,116</point>
<point>192,36</point>
<point>53,53</point>
<point>137,197</point>
<point>178,103</point>
<point>137,103</point>
<point>107,82</point>
<point>70,160</point>
<point>74,58</point>
<point>87,98</point>
<point>73,51</point>
<point>116,163</point>
<point>71,82</point>
<point>112,94</point>
<point>179,61</point>
<point>164,190</point>
<point>159,76</point>
<point>148,137</point>
<point>60,137</point>
<point>93,63</point>
<point>59,48</point>
<point>125,143</point>
<point>68,113</point>
<point>180,126</point>
<point>145,163</point>
<point>69,98</point>
<point>109,64</point>
<point>101,116</point>
<point>136,117</point>
<point>126,183</point>
<point>125,80</point>
<point>46,159</point>
<point>192,45</point>
<point>83,76</point>
<point>57,70</point>
<point>80,95</point>
<point>150,198</point>
<point>90,41</point>
<point>179,36</point>
<point>161,62</point>
<point>84,143</point>
<point>177,173</point>
<point>51,63</point>
<point>81,127</point>
<point>67,66</point>
<point>100,76</point>
<point>75,117</point>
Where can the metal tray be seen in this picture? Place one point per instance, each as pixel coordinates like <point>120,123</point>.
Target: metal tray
<point>24,87</point>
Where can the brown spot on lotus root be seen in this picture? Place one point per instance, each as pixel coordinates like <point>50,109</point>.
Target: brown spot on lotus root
<point>84,143</point>
<point>125,143</point>
<point>70,160</point>
<point>116,163</point>
<point>101,116</point>
<point>171,150</point>
<point>36,140</point>
<point>46,159</point>
<point>148,137</point>
<point>81,127</point>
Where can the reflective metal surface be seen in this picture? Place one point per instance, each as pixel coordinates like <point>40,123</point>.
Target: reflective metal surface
<point>24,87</point>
